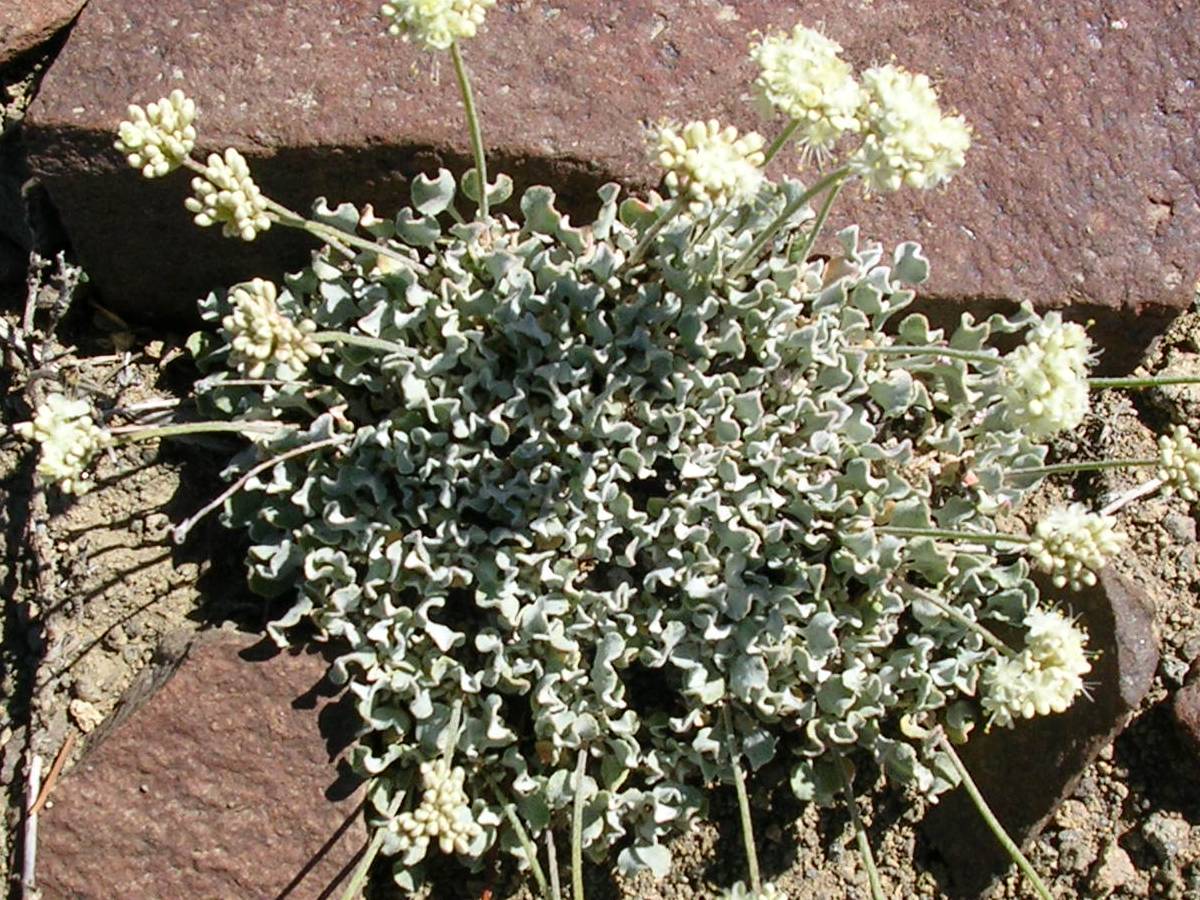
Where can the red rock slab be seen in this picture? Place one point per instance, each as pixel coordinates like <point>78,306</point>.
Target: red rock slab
<point>220,785</point>
<point>25,24</point>
<point>1081,188</point>
<point>1025,773</point>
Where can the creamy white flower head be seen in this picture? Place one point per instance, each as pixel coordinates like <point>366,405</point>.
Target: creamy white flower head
<point>69,440</point>
<point>1072,545</point>
<point>227,194</point>
<point>1179,464</point>
<point>160,137</point>
<point>908,140</point>
<point>260,335</point>
<point>804,77</point>
<point>435,23</point>
<point>742,891</point>
<point>444,813</point>
<point>1044,678</point>
<point>1045,379</point>
<point>710,164</point>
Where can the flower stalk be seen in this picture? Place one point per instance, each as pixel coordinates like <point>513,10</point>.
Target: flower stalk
<point>989,818</point>
<point>468,98</point>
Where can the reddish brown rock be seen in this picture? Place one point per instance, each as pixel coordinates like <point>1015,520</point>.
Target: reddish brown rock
<point>1186,709</point>
<point>1081,188</point>
<point>220,785</point>
<point>1025,773</point>
<point>25,24</point>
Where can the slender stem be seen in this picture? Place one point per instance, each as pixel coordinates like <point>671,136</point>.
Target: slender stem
<point>510,812</point>
<point>1099,384</point>
<point>130,433</point>
<point>552,865</point>
<point>860,833</point>
<point>364,866</point>
<point>946,534</point>
<point>468,98</point>
<point>739,785</point>
<point>933,350</point>
<point>822,215</point>
<point>676,207</point>
<point>991,821</point>
<point>334,237</point>
<point>357,340</point>
<point>577,829</point>
<point>1087,465</point>
<point>780,220</point>
<point>181,530</point>
<point>29,832</point>
<point>779,142</point>
<point>962,619</point>
<point>1142,490</point>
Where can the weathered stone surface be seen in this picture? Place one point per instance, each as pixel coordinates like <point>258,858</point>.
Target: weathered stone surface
<point>1186,709</point>
<point>220,785</point>
<point>25,24</point>
<point>1026,772</point>
<point>1081,187</point>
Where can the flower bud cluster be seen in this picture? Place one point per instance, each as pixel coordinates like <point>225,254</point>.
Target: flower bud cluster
<point>444,812</point>
<point>710,164</point>
<point>435,23</point>
<point>1045,677</point>
<point>227,194</point>
<point>1179,464</point>
<point>69,440</point>
<point>160,137</point>
<point>741,891</point>
<point>908,140</point>
<point>1072,544</point>
<point>1046,389</point>
<point>259,334</point>
<point>804,77</point>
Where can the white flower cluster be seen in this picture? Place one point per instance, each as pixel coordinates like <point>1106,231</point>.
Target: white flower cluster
<point>804,77</point>
<point>444,812</point>
<point>69,440</point>
<point>908,140</point>
<point>1072,544</point>
<point>435,23</point>
<point>1179,464</point>
<point>710,164</point>
<point>160,137</point>
<point>227,194</point>
<point>1045,677</point>
<point>259,334</point>
<point>1046,389</point>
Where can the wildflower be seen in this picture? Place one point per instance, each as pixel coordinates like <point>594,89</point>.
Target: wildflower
<point>804,78</point>
<point>69,440</point>
<point>444,812</point>
<point>908,140</point>
<point>260,334</point>
<point>1045,387</point>
<point>1045,677</point>
<point>435,23</point>
<point>160,137</point>
<point>227,194</point>
<point>709,163</point>
<point>1072,544</point>
<point>1179,464</point>
<point>741,891</point>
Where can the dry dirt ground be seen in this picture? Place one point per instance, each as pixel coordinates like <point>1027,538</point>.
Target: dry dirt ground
<point>91,585</point>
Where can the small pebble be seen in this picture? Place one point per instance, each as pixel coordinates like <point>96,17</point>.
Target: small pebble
<point>1114,871</point>
<point>1166,835</point>
<point>1181,528</point>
